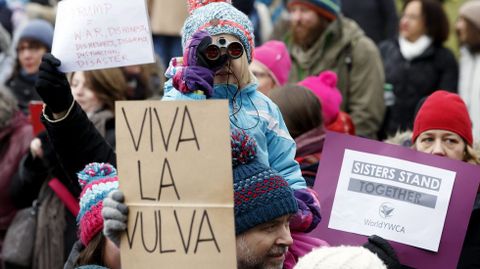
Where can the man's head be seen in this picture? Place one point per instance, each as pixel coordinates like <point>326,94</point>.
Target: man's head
<point>264,204</point>
<point>309,18</point>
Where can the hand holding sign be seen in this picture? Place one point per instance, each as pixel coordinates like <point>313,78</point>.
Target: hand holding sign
<point>52,85</point>
<point>114,213</point>
<point>384,251</point>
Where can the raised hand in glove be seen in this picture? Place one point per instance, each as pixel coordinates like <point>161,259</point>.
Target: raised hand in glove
<point>384,251</point>
<point>52,85</point>
<point>198,72</point>
<point>114,213</point>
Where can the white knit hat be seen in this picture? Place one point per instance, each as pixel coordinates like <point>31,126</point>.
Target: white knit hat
<point>343,257</point>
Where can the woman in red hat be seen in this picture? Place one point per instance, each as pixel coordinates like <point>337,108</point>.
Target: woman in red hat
<point>443,127</point>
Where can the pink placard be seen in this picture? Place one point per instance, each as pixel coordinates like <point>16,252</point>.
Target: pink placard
<point>459,209</point>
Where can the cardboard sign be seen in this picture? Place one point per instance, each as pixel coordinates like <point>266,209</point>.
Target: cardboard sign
<point>420,202</point>
<point>174,166</point>
<point>97,34</point>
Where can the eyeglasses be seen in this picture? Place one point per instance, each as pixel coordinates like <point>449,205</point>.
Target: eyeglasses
<point>233,49</point>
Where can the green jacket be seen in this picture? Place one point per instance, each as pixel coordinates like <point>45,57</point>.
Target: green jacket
<point>361,82</point>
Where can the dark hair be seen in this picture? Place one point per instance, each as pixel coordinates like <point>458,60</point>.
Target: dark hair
<point>109,85</point>
<point>436,20</point>
<point>93,253</point>
<point>300,108</point>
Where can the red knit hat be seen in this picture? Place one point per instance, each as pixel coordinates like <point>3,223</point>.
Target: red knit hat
<point>444,111</point>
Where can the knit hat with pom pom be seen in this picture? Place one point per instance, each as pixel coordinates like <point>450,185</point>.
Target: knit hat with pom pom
<point>97,181</point>
<point>219,17</point>
<point>260,193</point>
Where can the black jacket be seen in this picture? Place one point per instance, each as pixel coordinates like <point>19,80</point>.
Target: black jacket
<point>77,142</point>
<point>414,80</point>
<point>469,257</point>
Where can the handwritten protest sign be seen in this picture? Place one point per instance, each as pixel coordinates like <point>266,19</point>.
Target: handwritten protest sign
<point>96,34</point>
<point>421,202</point>
<point>174,165</point>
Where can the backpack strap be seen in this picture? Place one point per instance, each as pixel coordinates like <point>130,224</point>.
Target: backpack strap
<point>65,196</point>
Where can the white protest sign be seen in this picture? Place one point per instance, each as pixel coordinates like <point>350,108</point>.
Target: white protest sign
<point>97,34</point>
<point>384,196</point>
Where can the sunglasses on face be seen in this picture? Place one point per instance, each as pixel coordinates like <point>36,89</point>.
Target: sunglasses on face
<point>233,49</point>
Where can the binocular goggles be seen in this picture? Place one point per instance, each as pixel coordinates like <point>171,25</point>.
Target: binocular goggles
<point>233,49</point>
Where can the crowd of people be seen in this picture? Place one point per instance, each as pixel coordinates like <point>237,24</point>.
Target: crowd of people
<point>290,70</point>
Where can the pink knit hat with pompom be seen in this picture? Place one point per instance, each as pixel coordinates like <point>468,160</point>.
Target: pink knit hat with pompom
<point>274,56</point>
<point>325,88</point>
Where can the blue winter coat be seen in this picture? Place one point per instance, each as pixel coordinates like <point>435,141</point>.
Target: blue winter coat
<point>257,115</point>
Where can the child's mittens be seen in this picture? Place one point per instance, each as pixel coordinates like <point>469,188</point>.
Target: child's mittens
<point>198,72</point>
<point>308,215</point>
<point>190,79</point>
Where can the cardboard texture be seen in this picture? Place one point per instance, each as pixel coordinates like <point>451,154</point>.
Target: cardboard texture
<point>167,23</point>
<point>174,166</point>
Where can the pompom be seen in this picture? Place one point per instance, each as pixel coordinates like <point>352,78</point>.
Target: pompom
<point>243,147</point>
<point>95,171</point>
<point>194,4</point>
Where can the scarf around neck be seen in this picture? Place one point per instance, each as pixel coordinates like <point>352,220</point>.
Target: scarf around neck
<point>411,50</point>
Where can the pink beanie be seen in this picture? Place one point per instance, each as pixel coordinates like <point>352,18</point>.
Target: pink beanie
<point>325,88</point>
<point>274,56</point>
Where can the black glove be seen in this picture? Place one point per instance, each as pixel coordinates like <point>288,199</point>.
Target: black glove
<point>384,251</point>
<point>52,85</point>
